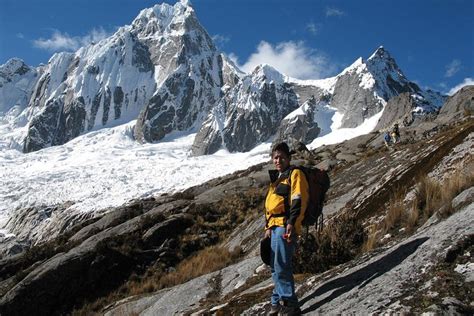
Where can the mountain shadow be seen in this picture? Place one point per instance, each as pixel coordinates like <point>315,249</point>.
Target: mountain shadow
<point>363,276</point>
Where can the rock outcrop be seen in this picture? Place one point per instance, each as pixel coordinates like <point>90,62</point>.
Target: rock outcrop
<point>459,105</point>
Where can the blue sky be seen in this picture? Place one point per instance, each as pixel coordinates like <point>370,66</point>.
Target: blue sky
<point>431,40</point>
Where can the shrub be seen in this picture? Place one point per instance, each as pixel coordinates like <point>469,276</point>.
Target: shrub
<point>339,241</point>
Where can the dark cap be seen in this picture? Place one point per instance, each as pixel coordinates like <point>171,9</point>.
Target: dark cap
<point>283,147</point>
<point>265,250</point>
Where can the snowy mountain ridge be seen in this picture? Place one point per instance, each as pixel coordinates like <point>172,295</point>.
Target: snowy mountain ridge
<point>164,71</point>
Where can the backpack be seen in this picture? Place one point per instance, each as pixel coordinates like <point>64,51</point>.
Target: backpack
<point>319,183</point>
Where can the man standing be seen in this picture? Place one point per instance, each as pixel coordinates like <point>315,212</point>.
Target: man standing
<point>285,205</point>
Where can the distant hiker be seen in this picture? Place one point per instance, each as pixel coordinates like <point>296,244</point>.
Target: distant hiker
<point>387,139</point>
<point>285,205</point>
<point>395,134</point>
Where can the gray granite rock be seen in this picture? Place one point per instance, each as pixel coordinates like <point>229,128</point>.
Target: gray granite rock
<point>357,103</point>
<point>89,266</point>
<point>463,198</point>
<point>398,110</point>
<point>458,105</point>
<point>171,226</point>
<point>300,128</point>
<point>187,297</point>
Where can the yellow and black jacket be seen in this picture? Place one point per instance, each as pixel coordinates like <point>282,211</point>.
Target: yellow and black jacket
<point>287,199</point>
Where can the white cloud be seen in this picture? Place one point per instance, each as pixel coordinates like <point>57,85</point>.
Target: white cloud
<point>466,82</point>
<point>312,28</point>
<point>291,58</point>
<point>452,68</point>
<point>20,35</point>
<point>63,41</point>
<point>220,39</point>
<point>235,59</point>
<point>334,12</point>
<point>443,86</point>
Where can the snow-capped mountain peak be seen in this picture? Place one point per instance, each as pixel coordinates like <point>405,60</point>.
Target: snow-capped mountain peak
<point>164,52</point>
<point>268,74</point>
<point>16,85</point>
<point>354,67</point>
<point>380,72</point>
<point>380,53</point>
<point>13,66</point>
<point>382,62</point>
<point>163,18</point>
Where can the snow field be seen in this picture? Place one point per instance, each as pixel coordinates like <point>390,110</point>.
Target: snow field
<point>108,168</point>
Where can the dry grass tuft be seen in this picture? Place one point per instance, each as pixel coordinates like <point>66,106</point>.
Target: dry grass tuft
<point>395,211</point>
<point>412,217</point>
<point>373,237</point>
<point>204,262</point>
<point>395,215</point>
<point>430,197</point>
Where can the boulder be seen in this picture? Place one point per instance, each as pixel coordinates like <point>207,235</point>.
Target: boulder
<point>173,225</point>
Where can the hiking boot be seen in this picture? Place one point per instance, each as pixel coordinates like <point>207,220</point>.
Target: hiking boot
<point>290,310</point>
<point>274,310</point>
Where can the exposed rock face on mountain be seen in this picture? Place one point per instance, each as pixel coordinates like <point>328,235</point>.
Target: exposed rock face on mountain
<point>151,236</point>
<point>364,88</point>
<point>248,114</point>
<point>191,90</point>
<point>407,109</point>
<point>99,85</point>
<point>299,126</point>
<point>398,109</point>
<point>457,106</point>
<point>359,92</point>
<point>16,84</point>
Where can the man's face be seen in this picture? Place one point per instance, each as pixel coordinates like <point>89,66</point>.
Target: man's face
<point>280,160</point>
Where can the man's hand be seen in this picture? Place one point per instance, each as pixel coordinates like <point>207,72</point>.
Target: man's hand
<point>289,231</point>
<point>268,233</point>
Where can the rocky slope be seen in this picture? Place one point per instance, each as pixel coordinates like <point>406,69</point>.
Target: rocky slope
<point>132,260</point>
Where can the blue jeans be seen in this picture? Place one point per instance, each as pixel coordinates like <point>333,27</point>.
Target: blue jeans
<point>282,268</point>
